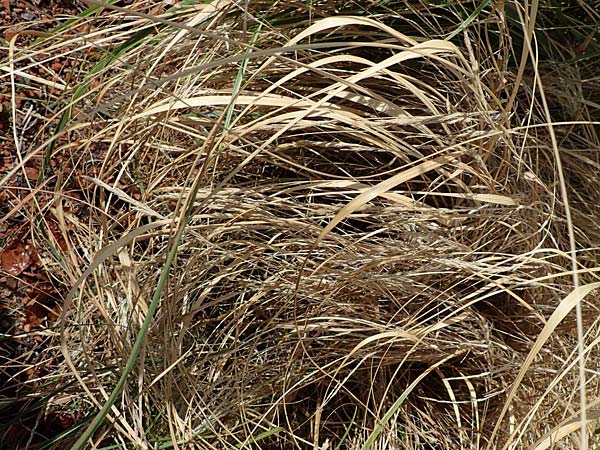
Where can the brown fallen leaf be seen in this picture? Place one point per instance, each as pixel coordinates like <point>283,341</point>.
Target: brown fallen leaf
<point>10,34</point>
<point>17,258</point>
<point>32,172</point>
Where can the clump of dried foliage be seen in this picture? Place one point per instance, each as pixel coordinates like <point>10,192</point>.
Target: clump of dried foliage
<point>323,225</point>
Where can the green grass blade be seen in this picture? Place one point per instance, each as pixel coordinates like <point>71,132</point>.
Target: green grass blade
<point>469,19</point>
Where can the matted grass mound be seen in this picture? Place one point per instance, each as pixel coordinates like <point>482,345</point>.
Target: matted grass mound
<point>311,228</point>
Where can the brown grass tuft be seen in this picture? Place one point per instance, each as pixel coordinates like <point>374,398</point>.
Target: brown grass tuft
<point>374,242</point>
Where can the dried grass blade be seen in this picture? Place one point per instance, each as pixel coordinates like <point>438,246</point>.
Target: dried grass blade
<point>563,309</point>
<point>377,191</point>
<point>220,100</point>
<point>564,430</point>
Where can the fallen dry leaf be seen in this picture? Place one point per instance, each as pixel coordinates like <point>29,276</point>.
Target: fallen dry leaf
<point>32,172</point>
<point>10,34</point>
<point>17,258</point>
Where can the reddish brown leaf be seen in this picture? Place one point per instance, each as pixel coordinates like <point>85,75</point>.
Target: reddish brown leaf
<point>17,258</point>
<point>32,172</point>
<point>33,319</point>
<point>6,4</point>
<point>9,34</point>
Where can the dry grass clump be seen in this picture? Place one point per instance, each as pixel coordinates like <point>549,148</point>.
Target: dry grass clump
<point>307,232</point>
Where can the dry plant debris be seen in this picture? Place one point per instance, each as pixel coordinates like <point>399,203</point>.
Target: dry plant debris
<point>320,225</point>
